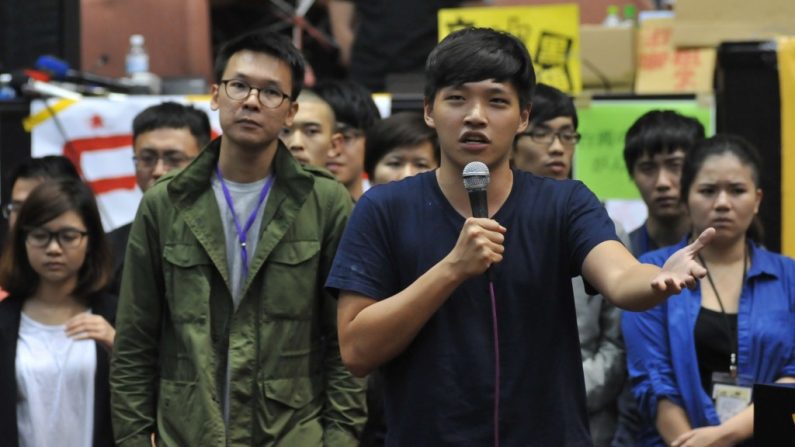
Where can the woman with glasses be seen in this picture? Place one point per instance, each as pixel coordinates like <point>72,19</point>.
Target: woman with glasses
<point>55,326</point>
<point>694,358</point>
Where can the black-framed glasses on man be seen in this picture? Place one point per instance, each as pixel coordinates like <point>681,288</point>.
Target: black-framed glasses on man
<point>66,237</point>
<point>269,96</point>
<point>546,136</point>
<point>172,159</point>
<point>10,208</point>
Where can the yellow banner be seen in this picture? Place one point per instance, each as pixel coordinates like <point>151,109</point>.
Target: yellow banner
<point>550,32</point>
<point>786,75</point>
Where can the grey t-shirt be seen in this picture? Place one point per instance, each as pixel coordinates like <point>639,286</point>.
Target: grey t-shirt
<point>244,197</point>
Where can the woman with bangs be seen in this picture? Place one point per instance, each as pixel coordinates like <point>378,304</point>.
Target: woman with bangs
<point>55,326</point>
<point>693,359</point>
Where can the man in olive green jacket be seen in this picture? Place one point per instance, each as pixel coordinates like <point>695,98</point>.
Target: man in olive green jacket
<point>225,335</point>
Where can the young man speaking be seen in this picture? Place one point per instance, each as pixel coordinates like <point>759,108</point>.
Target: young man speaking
<point>415,298</point>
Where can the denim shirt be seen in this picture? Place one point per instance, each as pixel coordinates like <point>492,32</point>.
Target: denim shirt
<point>661,351</point>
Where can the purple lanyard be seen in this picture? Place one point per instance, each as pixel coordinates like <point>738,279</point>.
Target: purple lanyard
<point>242,232</point>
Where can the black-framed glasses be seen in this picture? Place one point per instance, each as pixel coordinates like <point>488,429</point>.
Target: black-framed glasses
<point>545,136</point>
<point>10,208</point>
<point>270,97</point>
<point>172,159</point>
<point>66,237</point>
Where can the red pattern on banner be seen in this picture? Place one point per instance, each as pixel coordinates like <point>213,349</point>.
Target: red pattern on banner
<point>111,184</point>
<point>74,150</point>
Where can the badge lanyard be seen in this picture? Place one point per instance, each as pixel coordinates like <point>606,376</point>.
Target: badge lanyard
<point>732,338</point>
<point>243,231</point>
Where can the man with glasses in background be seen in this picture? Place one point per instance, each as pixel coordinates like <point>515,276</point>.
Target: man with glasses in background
<point>166,136</point>
<point>225,335</point>
<point>355,113</point>
<point>546,148</point>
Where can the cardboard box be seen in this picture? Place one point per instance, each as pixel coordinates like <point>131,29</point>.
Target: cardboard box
<point>664,68</point>
<point>608,57</point>
<point>702,23</point>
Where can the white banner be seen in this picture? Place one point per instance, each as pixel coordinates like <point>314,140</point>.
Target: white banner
<point>96,134</point>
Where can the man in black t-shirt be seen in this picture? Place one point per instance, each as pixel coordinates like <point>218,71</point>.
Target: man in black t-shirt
<point>380,37</point>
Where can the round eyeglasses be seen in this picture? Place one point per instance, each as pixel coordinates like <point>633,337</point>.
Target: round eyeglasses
<point>270,97</point>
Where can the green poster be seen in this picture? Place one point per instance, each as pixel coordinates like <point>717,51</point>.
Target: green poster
<point>599,160</point>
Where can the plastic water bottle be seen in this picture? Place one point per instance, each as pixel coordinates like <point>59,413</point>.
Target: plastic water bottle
<point>612,18</point>
<point>137,68</point>
<point>137,58</point>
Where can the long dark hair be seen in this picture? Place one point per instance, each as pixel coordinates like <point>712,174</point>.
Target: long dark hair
<point>718,145</point>
<point>45,203</point>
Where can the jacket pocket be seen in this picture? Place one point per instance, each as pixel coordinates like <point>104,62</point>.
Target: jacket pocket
<point>184,417</point>
<point>187,270</point>
<point>290,411</point>
<point>291,280</point>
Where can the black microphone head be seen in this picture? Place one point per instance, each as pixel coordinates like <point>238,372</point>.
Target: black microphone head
<point>476,176</point>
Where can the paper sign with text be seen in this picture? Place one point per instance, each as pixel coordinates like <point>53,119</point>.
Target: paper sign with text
<point>599,157</point>
<point>663,68</point>
<point>551,34</point>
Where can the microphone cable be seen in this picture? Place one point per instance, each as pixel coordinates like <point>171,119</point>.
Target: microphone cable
<point>496,333</point>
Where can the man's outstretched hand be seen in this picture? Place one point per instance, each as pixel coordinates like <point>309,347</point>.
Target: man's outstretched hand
<point>681,269</point>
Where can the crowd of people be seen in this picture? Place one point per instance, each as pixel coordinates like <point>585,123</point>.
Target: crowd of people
<point>316,276</point>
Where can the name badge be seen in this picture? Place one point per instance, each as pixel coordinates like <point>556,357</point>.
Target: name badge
<point>729,396</point>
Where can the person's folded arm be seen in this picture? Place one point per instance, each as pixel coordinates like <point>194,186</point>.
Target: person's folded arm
<point>735,430</point>
<point>671,421</point>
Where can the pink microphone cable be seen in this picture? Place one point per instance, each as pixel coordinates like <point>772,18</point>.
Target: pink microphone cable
<point>496,365</point>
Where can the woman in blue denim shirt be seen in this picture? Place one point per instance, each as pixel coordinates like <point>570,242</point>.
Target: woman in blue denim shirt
<point>693,359</point>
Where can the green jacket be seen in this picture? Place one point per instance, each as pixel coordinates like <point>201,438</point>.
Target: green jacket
<point>176,324</point>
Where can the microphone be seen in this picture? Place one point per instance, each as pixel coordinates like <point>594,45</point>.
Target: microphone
<point>476,180</point>
<point>59,69</point>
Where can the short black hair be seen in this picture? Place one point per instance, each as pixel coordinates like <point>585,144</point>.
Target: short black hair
<point>172,115</point>
<point>660,131</point>
<point>550,103</point>
<point>270,43</point>
<point>351,102</point>
<point>478,54</point>
<point>45,203</point>
<point>49,167</point>
<point>399,130</point>
<point>719,145</point>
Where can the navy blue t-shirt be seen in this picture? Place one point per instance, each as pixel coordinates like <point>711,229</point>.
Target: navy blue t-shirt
<point>440,390</point>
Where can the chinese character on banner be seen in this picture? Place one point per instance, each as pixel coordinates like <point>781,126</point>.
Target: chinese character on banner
<point>663,68</point>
